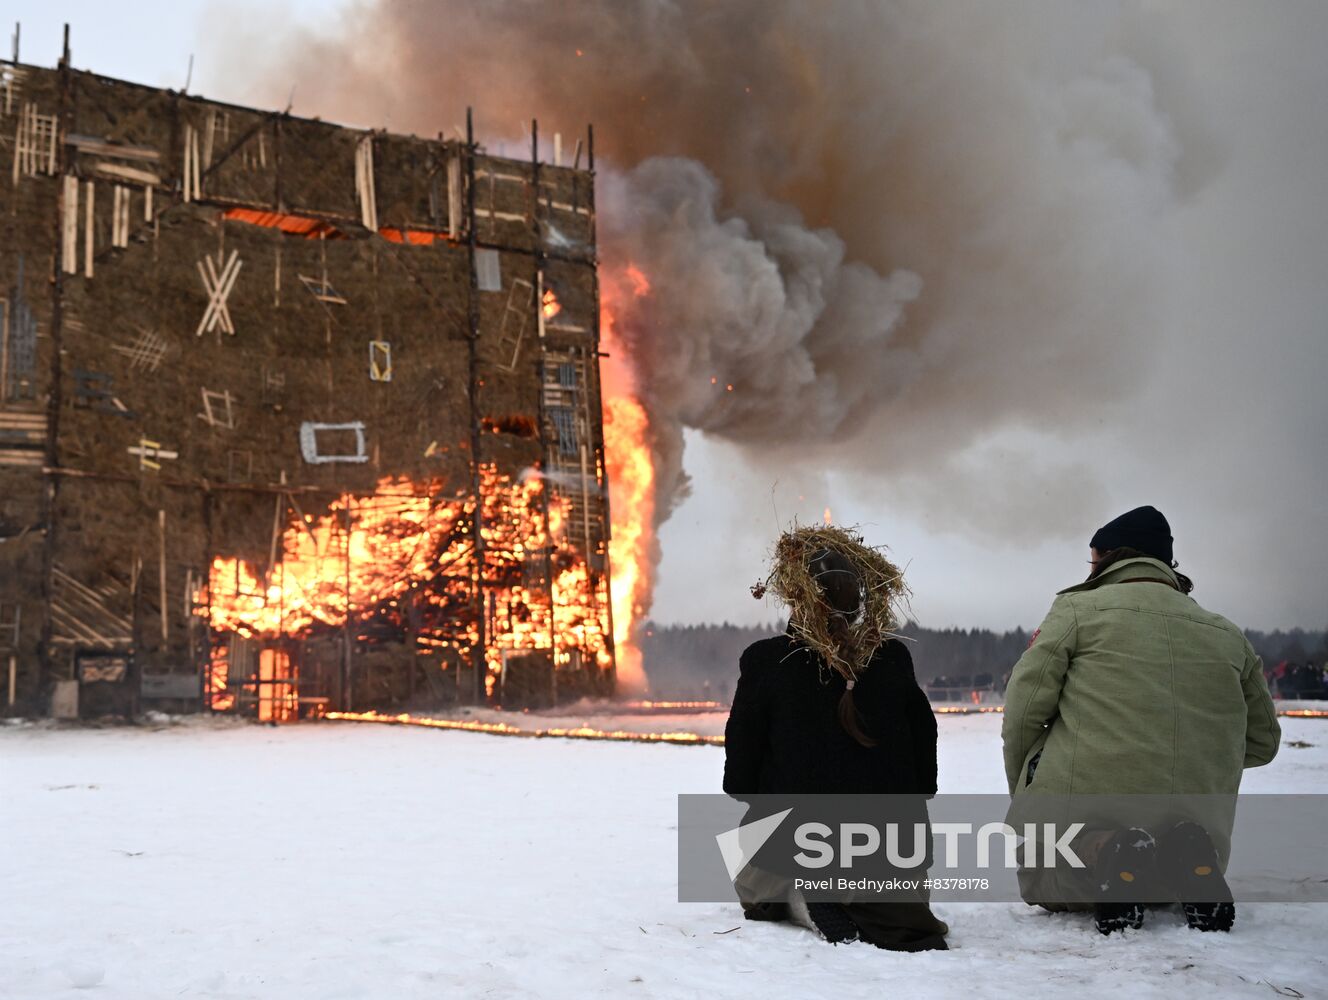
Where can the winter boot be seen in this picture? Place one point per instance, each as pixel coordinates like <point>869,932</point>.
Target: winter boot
<point>1126,864</point>
<point>766,911</point>
<point>1188,861</point>
<point>830,920</point>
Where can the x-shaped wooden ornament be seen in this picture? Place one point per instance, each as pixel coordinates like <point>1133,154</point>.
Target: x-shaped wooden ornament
<point>218,285</point>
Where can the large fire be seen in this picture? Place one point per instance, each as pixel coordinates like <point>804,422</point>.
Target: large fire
<point>403,561</point>
<point>631,472</point>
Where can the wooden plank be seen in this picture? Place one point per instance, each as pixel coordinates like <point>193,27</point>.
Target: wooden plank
<point>69,622</point>
<point>21,456</point>
<point>22,419</point>
<point>563,206</point>
<point>66,633</point>
<point>34,438</point>
<point>505,216</point>
<point>494,175</point>
<point>117,197</point>
<point>161,537</point>
<point>89,235</point>
<point>364,183</point>
<point>69,249</point>
<point>21,158</point>
<point>184,165</point>
<point>103,147</point>
<point>195,177</point>
<point>88,594</point>
<point>122,172</point>
<point>18,148</point>
<point>454,197</point>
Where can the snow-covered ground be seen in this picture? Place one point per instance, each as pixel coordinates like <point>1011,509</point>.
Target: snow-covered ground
<point>362,861</point>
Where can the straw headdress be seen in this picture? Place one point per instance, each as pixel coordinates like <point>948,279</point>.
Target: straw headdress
<point>845,646</point>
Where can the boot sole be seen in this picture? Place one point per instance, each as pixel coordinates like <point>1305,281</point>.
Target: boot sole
<point>1190,859</point>
<point>1111,917</point>
<point>1127,865</point>
<point>830,920</point>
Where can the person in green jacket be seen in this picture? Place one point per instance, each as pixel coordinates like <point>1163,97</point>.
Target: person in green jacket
<point>1129,687</point>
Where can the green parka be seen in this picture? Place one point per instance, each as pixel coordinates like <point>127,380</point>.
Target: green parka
<point>1130,687</point>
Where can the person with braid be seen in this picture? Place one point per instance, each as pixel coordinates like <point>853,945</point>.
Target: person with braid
<point>838,719</point>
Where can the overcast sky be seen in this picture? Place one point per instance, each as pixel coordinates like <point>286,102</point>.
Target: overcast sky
<point>1222,413</point>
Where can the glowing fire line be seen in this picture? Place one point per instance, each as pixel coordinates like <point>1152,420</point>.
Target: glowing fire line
<point>681,738</point>
<point>502,729</point>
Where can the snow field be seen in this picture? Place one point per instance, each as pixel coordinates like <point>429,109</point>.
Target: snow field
<point>361,861</point>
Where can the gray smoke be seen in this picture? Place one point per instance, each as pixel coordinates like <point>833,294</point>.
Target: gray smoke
<point>893,228</point>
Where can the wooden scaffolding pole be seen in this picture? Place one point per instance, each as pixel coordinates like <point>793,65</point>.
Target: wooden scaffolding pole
<point>51,493</point>
<point>541,370</point>
<point>477,657</point>
<point>600,457</point>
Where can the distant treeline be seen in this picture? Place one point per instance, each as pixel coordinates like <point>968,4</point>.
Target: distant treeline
<point>700,662</point>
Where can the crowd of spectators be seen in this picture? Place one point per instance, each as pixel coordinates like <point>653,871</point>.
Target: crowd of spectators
<point>1297,681</point>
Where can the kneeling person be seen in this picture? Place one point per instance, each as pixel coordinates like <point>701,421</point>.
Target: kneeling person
<point>1129,687</point>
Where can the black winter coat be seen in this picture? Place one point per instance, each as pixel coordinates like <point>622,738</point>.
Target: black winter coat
<point>784,737</point>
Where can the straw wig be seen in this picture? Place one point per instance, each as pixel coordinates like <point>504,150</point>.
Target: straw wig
<point>845,644</point>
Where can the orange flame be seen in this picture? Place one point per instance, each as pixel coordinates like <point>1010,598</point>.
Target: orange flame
<point>632,489</point>
<point>631,471</point>
<point>640,283</point>
<point>371,556</point>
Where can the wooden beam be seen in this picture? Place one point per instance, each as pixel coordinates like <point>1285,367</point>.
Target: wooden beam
<point>103,147</point>
<point>126,173</point>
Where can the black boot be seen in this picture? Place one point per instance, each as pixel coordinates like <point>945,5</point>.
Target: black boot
<point>1126,864</point>
<point>1188,861</point>
<point>766,911</point>
<point>833,922</point>
<point>830,920</point>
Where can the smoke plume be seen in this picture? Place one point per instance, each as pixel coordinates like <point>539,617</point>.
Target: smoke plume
<point>874,233</point>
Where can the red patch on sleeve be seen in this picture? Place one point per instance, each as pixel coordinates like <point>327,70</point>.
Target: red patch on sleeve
<point>1036,632</point>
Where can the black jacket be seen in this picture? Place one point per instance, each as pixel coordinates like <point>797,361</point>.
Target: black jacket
<point>784,737</point>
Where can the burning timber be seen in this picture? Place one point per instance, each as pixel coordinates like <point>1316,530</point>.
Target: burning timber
<point>293,417</point>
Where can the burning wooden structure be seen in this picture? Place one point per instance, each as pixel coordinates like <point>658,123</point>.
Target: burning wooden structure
<point>292,415</point>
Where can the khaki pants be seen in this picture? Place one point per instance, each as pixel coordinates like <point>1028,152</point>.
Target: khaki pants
<point>1042,886</point>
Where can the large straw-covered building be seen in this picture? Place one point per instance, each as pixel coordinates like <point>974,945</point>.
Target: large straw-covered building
<point>291,415</point>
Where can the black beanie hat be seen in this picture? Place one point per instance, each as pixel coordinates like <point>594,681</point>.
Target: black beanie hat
<point>1143,528</point>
